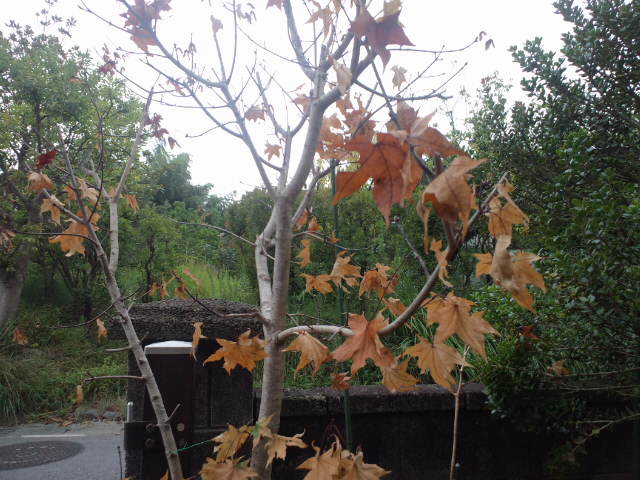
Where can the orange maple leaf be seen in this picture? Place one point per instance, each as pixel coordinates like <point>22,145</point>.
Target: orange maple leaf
<point>453,315</point>
<point>271,150</point>
<point>397,379</point>
<point>277,446</point>
<point>245,352</point>
<point>515,273</point>
<point>395,172</point>
<point>305,254</point>
<point>312,351</point>
<point>49,205</point>
<point>364,343</point>
<point>230,469</point>
<point>395,306</point>
<point>352,467</point>
<point>314,226</point>
<point>102,330</point>
<point>340,381</point>
<point>132,201</point>
<point>379,281</point>
<point>318,282</point>
<point>19,337</point>
<point>450,194</point>
<point>343,271</point>
<point>380,33</point>
<point>441,257</point>
<point>38,181</point>
<point>72,240</point>
<point>322,466</point>
<point>197,336</point>
<point>439,358</point>
<point>230,441</point>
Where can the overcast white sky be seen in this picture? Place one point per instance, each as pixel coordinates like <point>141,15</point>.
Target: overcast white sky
<point>428,24</point>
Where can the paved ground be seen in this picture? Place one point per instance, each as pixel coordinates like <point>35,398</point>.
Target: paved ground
<point>91,451</point>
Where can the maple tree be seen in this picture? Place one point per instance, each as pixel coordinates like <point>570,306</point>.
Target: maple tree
<point>339,127</point>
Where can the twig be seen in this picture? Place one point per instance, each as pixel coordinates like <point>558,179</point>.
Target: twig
<point>111,377</point>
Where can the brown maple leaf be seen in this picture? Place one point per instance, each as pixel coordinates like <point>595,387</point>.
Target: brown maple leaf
<point>323,466</point>
<point>364,343</point>
<point>453,315</point>
<point>132,201</point>
<point>271,150</point>
<point>275,3</point>
<point>395,306</point>
<point>102,330</point>
<point>314,226</point>
<point>245,352</point>
<point>46,158</point>
<point>305,254</point>
<point>394,171</point>
<point>277,446</point>
<point>378,281</point>
<point>352,467</point>
<point>397,379</point>
<point>398,76</point>
<point>38,181</point>
<point>318,282</point>
<point>49,205</point>
<point>230,442</point>
<point>312,351</point>
<point>302,221</point>
<point>439,359</point>
<point>19,337</point>
<point>72,239</point>
<point>340,381</point>
<point>79,395</point>
<point>441,257</point>
<point>380,33</point>
<point>343,271</point>
<point>227,470</point>
<point>450,194</point>
<point>197,336</point>
<point>514,273</point>
<point>254,113</point>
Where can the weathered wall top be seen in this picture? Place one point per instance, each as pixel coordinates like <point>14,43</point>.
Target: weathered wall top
<point>174,319</point>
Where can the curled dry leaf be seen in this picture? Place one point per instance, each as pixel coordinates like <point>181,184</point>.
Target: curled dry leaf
<point>49,205</point>
<point>450,194</point>
<point>364,343</point>
<point>343,76</point>
<point>254,113</point>
<point>302,221</point>
<point>79,395</point>
<point>72,239</point>
<point>322,466</point>
<point>395,306</point>
<point>102,330</point>
<point>305,254</point>
<point>314,226</point>
<point>277,446</point>
<point>132,201</point>
<point>188,273</point>
<point>38,181</point>
<point>377,280</point>
<point>343,271</point>
<point>353,467</point>
<point>439,359</point>
<point>340,381</point>
<point>312,351</point>
<point>197,336</point>
<point>230,469</point>
<point>441,257</point>
<point>6,238</point>
<point>245,352</point>
<point>19,337</point>
<point>398,75</point>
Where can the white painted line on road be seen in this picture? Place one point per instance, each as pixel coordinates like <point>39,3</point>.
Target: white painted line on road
<point>53,435</point>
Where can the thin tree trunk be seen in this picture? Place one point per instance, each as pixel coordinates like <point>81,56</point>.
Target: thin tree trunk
<point>11,284</point>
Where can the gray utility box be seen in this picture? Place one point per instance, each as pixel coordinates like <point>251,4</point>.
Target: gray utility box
<point>208,396</point>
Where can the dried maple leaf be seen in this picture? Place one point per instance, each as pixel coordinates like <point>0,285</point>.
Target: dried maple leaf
<point>323,466</point>
<point>230,442</point>
<point>188,273</point>
<point>228,470</point>
<point>395,306</point>
<point>72,239</point>
<point>343,271</point>
<point>343,76</point>
<point>353,468</point>
<point>559,368</point>
<point>305,254</point>
<point>102,330</point>
<point>314,226</point>
<point>19,337</point>
<point>318,282</point>
<point>380,33</point>
<point>333,238</point>
<point>197,336</point>
<point>515,273</point>
<point>340,381</point>
<point>88,192</point>
<point>323,14</point>
<point>394,172</point>
<point>453,315</point>
<point>132,201</point>
<point>49,205</point>
<point>397,379</point>
<point>277,446</point>
<point>439,358</point>
<point>46,158</point>
<point>302,221</point>
<point>254,113</point>
<point>483,267</point>
<point>275,3</point>
<point>6,238</point>
<point>271,150</point>
<point>379,281</point>
<point>398,76</point>
<point>527,333</point>
<point>441,257</point>
<point>71,193</point>
<point>364,343</point>
<point>312,351</point>
<point>38,181</point>
<point>450,194</point>
<point>245,352</point>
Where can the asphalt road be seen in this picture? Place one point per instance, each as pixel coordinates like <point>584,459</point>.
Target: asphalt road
<point>92,446</point>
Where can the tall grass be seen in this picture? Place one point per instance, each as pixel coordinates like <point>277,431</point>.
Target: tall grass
<point>220,283</point>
